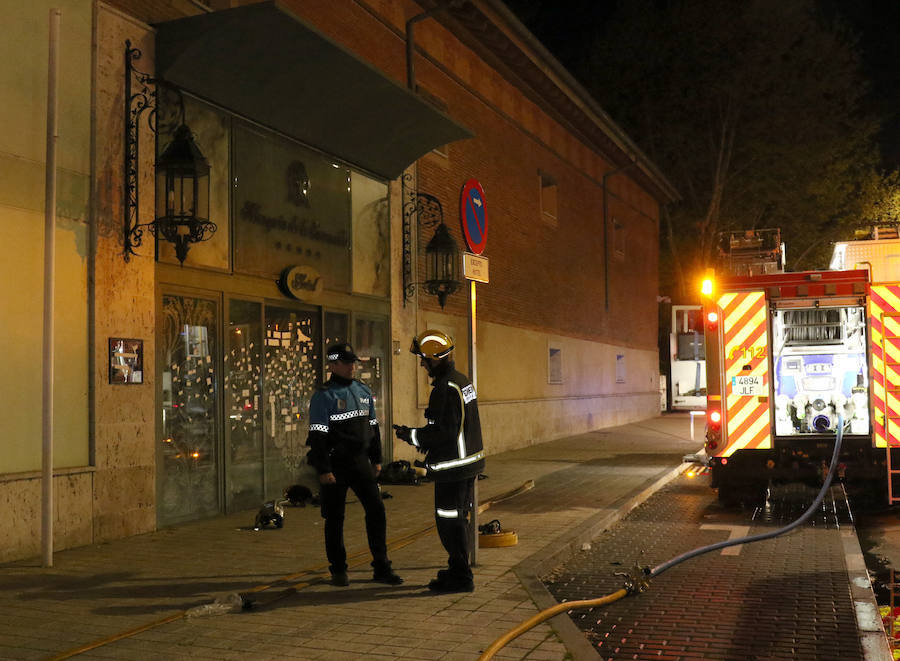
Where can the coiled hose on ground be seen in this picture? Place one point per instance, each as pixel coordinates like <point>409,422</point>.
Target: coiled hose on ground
<point>640,583</point>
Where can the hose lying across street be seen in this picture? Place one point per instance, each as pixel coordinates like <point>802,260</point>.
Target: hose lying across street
<point>640,582</point>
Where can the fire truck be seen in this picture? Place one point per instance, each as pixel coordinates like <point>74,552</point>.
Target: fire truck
<point>789,355</point>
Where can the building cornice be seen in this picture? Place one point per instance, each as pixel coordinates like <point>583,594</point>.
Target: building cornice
<point>493,32</point>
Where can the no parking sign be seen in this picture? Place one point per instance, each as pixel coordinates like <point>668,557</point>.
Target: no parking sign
<point>473,216</point>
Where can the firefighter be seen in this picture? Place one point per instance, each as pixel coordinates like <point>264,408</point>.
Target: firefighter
<point>345,450</point>
<point>454,456</point>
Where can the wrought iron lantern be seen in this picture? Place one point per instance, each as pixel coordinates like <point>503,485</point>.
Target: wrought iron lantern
<point>182,192</point>
<point>441,253</point>
<point>182,173</point>
<point>441,265</point>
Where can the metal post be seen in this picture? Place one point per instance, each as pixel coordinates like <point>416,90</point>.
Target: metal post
<point>473,375</point>
<point>49,257</point>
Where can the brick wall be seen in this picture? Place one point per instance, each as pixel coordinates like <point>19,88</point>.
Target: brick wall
<point>544,276</point>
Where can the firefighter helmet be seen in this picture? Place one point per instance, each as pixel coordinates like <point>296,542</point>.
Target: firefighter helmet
<point>432,344</point>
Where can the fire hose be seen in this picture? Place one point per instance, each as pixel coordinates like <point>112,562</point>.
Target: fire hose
<point>639,578</point>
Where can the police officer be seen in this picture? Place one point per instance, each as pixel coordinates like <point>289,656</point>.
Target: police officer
<point>454,457</point>
<point>345,450</point>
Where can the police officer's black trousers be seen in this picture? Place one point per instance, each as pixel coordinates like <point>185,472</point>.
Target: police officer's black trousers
<point>452,508</point>
<point>360,478</point>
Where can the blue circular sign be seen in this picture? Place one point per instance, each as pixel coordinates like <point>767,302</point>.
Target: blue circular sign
<point>473,216</point>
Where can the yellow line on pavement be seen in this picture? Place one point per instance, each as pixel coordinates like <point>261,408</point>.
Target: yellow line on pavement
<point>393,544</point>
<point>118,636</point>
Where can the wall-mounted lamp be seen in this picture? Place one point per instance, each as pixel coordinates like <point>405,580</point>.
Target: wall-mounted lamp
<point>182,174</point>
<point>441,265</point>
<point>441,253</point>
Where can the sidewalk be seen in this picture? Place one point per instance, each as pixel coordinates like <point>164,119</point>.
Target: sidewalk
<point>156,582</point>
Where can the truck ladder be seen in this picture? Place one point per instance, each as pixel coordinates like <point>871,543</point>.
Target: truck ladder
<point>891,418</point>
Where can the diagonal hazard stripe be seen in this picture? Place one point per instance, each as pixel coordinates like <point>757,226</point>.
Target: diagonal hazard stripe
<point>886,297</point>
<point>725,301</point>
<point>746,317</point>
<point>752,434</point>
<point>891,325</point>
<point>891,351</point>
<point>750,326</point>
<point>884,329</point>
<point>739,408</point>
<point>746,341</point>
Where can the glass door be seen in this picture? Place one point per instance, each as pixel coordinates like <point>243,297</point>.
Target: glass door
<point>187,454</point>
<point>293,368</point>
<point>370,341</point>
<point>244,457</point>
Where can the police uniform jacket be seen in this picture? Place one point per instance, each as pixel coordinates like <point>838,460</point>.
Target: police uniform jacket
<point>451,440</point>
<point>342,425</point>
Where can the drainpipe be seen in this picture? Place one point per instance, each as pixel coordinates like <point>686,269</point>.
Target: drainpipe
<point>49,295</point>
<point>606,176</point>
<point>411,44</point>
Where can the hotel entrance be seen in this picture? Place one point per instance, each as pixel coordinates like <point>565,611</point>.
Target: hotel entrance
<point>234,419</point>
<point>300,259</point>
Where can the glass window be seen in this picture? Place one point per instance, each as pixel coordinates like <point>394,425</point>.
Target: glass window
<point>370,343</point>
<point>554,365</point>
<point>371,236</point>
<point>337,327</point>
<point>188,449</point>
<point>291,207</point>
<point>549,200</point>
<point>619,236</point>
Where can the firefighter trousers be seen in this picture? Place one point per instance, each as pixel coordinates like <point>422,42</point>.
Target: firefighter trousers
<point>452,513</point>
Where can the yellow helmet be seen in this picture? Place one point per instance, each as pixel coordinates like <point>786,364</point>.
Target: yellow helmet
<point>432,344</point>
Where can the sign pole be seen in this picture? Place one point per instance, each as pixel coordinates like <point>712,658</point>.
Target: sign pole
<point>473,375</point>
<point>473,217</point>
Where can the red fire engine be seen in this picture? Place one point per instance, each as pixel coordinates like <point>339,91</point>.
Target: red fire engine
<point>788,356</point>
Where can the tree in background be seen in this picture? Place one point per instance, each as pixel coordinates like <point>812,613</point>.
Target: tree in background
<point>755,111</point>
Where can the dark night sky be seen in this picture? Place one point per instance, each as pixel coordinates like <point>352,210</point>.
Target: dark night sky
<point>566,27</point>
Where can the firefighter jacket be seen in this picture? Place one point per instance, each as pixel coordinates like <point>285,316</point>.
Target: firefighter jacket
<point>342,425</point>
<point>451,440</point>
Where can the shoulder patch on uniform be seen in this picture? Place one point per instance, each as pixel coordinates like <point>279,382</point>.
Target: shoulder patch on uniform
<point>468,393</point>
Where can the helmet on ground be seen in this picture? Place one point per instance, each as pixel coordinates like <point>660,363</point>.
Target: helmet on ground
<point>433,344</point>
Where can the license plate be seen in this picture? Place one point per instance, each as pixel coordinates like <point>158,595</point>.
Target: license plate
<point>747,385</point>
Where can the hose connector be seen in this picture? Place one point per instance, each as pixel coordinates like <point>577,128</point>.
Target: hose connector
<point>636,580</point>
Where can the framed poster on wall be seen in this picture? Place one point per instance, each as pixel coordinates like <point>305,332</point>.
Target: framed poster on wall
<point>126,361</point>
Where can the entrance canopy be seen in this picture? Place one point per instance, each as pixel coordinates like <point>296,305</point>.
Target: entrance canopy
<point>262,62</point>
